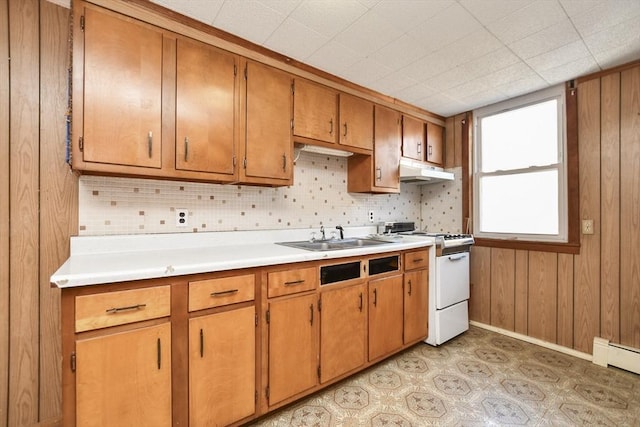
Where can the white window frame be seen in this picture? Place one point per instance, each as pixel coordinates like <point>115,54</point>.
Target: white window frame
<point>558,93</point>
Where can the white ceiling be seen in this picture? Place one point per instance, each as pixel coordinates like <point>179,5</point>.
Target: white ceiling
<point>446,56</point>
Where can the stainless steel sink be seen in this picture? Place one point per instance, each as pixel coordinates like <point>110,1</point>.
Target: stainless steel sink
<point>333,244</point>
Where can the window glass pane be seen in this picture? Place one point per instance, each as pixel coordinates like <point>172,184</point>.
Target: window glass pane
<point>520,138</point>
<point>524,203</point>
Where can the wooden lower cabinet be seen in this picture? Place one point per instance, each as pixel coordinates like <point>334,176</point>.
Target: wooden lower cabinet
<point>293,346</point>
<point>222,367</point>
<point>385,316</point>
<point>343,331</point>
<point>416,298</point>
<point>125,378</point>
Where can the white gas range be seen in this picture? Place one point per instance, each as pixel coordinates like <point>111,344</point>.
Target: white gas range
<point>449,294</point>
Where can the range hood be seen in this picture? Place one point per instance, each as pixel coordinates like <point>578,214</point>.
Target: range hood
<point>417,172</point>
<point>317,149</point>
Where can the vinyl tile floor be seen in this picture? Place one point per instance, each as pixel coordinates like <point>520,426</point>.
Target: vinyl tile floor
<point>480,378</point>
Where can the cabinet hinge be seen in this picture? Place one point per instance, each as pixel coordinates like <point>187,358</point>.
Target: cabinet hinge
<point>72,361</point>
<point>82,22</point>
<point>81,143</point>
<point>268,316</point>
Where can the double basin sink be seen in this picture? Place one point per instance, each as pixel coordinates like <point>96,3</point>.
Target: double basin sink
<point>334,244</point>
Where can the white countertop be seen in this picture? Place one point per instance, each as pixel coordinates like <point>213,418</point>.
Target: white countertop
<point>109,259</point>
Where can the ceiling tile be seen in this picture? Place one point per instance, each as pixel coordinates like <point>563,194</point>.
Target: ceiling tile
<point>406,14</point>
<point>526,21</point>
<point>556,57</point>
<point>487,64</point>
<point>626,32</point>
<point>334,57</point>
<point>201,10</point>
<point>393,84</point>
<point>285,7</point>
<point>366,71</point>
<point>545,40</point>
<point>488,11</point>
<point>529,84</point>
<point>467,89</point>
<point>474,45</point>
<point>618,56</point>
<point>608,13</point>
<point>446,105</point>
<point>286,40</point>
<point>329,17</point>
<point>570,70</point>
<point>400,52</point>
<point>415,93</point>
<point>576,7</point>
<point>368,34</point>
<point>249,19</point>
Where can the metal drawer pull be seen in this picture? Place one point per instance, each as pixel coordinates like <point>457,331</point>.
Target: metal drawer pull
<point>311,311</point>
<point>186,148</point>
<point>201,343</point>
<point>345,129</point>
<point>418,260</point>
<point>419,147</point>
<point>458,258</point>
<point>159,347</point>
<point>284,162</point>
<point>331,126</point>
<point>150,143</point>
<point>293,283</point>
<point>222,293</point>
<point>375,297</point>
<point>409,287</point>
<point>115,310</point>
<point>360,305</point>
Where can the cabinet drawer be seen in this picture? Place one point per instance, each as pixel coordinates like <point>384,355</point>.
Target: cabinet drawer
<point>121,307</point>
<point>417,259</point>
<point>222,291</point>
<point>292,281</point>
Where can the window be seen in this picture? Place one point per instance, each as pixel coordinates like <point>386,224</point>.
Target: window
<point>520,169</point>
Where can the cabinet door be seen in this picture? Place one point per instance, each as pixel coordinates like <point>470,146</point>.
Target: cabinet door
<point>356,122</point>
<point>416,298</point>
<point>293,347</point>
<point>315,111</point>
<point>222,367</point>
<point>269,104</point>
<point>435,138</point>
<point>125,378</point>
<point>387,148</point>
<point>122,91</point>
<point>205,106</point>
<point>385,316</point>
<point>412,138</point>
<point>343,344</point>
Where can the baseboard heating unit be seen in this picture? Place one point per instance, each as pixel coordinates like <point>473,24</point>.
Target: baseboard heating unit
<point>606,353</point>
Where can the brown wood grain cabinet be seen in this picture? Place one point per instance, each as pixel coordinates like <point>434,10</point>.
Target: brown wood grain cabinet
<point>413,138</point>
<point>380,172</point>
<point>435,144</point>
<point>416,295</point>
<point>343,331</point>
<point>118,99</point>
<point>206,80</point>
<point>385,316</point>
<point>315,113</point>
<point>356,122</point>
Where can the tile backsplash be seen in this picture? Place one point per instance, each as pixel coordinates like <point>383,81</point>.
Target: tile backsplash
<point>319,196</point>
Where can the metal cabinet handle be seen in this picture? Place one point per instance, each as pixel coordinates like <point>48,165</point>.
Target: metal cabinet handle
<point>223,293</point>
<point>115,310</point>
<point>345,129</point>
<point>150,143</point>
<point>419,147</point>
<point>331,126</point>
<point>186,148</point>
<point>409,287</point>
<point>159,348</point>
<point>201,343</point>
<point>457,258</point>
<point>360,304</point>
<point>375,297</point>
<point>418,260</point>
<point>311,314</point>
<point>430,149</point>
<point>378,174</point>
<point>295,282</point>
<point>284,162</point>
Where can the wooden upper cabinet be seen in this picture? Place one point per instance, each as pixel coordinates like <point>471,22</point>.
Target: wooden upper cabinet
<point>315,112</point>
<point>413,137</point>
<point>120,92</point>
<point>356,122</point>
<point>268,144</point>
<point>205,108</point>
<point>386,151</point>
<point>435,143</point>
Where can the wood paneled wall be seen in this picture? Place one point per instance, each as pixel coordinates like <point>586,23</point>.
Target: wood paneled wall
<point>570,299</point>
<point>38,207</point>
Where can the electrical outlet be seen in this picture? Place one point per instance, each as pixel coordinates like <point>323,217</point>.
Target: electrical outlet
<point>587,226</point>
<point>182,217</point>
<point>371,216</point>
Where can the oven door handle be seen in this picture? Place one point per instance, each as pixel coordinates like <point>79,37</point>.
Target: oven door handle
<point>456,258</point>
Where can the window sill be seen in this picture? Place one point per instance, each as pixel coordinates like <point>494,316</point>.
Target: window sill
<point>566,248</point>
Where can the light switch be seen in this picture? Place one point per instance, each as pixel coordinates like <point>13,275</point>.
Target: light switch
<point>587,226</point>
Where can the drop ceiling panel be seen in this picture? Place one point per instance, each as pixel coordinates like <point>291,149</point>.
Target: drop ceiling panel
<point>446,56</point>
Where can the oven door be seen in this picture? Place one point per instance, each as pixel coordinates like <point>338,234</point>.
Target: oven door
<point>452,279</point>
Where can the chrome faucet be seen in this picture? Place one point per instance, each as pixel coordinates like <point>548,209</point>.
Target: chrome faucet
<point>339,227</point>
<point>322,231</point>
